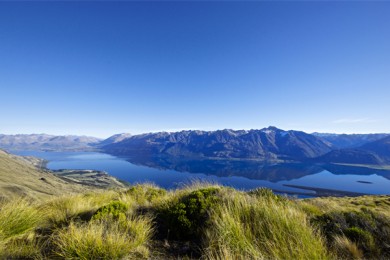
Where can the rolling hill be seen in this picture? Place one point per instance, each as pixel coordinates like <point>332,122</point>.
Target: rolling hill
<point>19,177</point>
<point>23,177</point>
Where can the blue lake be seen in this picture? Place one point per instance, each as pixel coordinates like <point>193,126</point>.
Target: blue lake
<point>172,173</point>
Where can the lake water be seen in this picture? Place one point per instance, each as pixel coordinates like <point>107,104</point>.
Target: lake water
<point>172,173</point>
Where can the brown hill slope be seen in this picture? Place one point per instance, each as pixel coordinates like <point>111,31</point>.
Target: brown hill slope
<point>19,177</point>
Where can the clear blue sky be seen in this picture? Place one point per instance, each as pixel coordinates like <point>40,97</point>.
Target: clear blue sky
<point>100,68</point>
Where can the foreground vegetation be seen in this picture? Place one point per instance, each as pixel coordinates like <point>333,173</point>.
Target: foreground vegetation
<point>200,221</point>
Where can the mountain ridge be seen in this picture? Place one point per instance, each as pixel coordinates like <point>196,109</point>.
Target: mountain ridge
<point>45,142</point>
<point>266,144</point>
<point>341,141</point>
<point>371,153</point>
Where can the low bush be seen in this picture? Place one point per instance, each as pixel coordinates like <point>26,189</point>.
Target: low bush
<point>63,210</point>
<point>146,193</point>
<point>115,210</point>
<point>370,231</point>
<point>185,217</point>
<point>362,238</point>
<point>343,248</point>
<point>265,193</point>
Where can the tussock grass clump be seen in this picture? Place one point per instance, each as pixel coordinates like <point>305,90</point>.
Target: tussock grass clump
<point>264,226</point>
<point>26,246</point>
<point>267,194</point>
<point>346,249</point>
<point>368,230</point>
<point>105,239</point>
<point>63,210</point>
<point>115,210</point>
<point>146,193</point>
<point>198,221</point>
<point>186,216</point>
<point>18,217</point>
<point>377,204</point>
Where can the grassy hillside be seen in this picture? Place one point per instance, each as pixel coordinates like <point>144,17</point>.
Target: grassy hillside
<point>200,221</point>
<point>20,177</point>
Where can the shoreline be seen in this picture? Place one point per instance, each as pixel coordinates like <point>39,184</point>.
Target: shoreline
<point>102,179</point>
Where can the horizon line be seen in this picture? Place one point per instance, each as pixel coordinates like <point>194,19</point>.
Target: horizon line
<point>193,129</point>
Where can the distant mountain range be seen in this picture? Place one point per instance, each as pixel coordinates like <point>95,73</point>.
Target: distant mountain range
<point>113,139</point>
<point>371,153</point>
<point>44,142</point>
<point>268,144</point>
<point>349,141</point>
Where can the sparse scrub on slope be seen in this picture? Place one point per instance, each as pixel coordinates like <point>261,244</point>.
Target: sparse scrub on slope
<point>185,217</point>
<point>62,210</point>
<point>146,194</point>
<point>369,231</point>
<point>198,221</point>
<point>264,226</point>
<point>102,239</point>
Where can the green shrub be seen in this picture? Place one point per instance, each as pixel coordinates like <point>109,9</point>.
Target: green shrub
<point>344,248</point>
<point>63,210</point>
<point>115,210</point>
<point>331,224</point>
<point>264,192</point>
<point>186,217</point>
<point>370,231</point>
<point>361,237</point>
<point>146,192</point>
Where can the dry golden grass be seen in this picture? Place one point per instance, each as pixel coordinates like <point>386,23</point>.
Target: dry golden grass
<point>105,239</point>
<point>119,224</point>
<point>20,178</point>
<point>378,204</point>
<point>346,249</point>
<point>262,227</point>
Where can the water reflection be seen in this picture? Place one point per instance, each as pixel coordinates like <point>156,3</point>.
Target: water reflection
<point>344,169</point>
<point>250,169</point>
<point>171,172</point>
